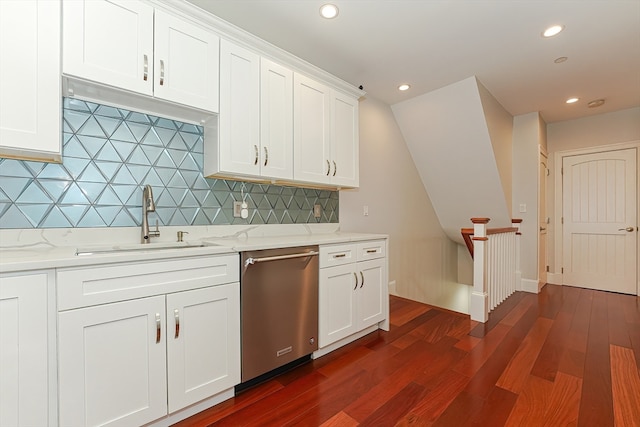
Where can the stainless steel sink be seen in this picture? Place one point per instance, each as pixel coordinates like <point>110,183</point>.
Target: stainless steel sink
<point>139,247</point>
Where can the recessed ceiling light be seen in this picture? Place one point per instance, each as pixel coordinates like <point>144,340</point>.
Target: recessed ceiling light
<point>552,31</point>
<point>560,60</point>
<point>596,103</point>
<point>329,11</point>
<point>572,100</point>
<point>404,87</point>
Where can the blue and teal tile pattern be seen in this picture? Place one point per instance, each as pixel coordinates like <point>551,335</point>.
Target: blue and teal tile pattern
<point>109,154</point>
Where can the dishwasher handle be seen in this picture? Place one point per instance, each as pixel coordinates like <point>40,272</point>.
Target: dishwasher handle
<point>251,261</point>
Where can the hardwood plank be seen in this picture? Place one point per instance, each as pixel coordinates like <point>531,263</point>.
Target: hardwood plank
<point>472,363</point>
<point>618,333</point>
<point>517,371</point>
<point>634,335</point>
<point>464,407</point>
<point>596,404</point>
<point>340,420</point>
<point>496,409</point>
<point>533,400</point>
<point>396,407</point>
<point>564,401</point>
<point>579,330</point>
<point>625,386</point>
<point>406,312</point>
<point>519,310</point>
<point>411,362</point>
<point>497,315</point>
<point>434,403</point>
<point>548,361</point>
<point>572,363</point>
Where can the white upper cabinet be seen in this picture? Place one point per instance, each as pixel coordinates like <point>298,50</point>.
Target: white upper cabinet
<point>30,104</point>
<point>95,49</point>
<point>169,58</point>
<point>186,63</point>
<point>325,134</point>
<point>276,120</point>
<point>238,150</point>
<point>256,118</point>
<point>311,132</point>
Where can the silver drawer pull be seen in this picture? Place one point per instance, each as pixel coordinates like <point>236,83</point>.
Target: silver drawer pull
<point>372,251</point>
<point>335,168</point>
<point>146,68</point>
<point>328,167</point>
<point>340,255</point>
<point>361,283</point>
<point>356,277</point>
<point>255,149</point>
<point>176,315</point>
<point>266,156</point>
<point>158,328</point>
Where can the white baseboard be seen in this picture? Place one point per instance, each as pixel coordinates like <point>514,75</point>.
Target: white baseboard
<point>530,286</point>
<point>554,278</point>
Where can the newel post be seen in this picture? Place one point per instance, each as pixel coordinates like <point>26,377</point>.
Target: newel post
<point>515,222</point>
<point>479,303</point>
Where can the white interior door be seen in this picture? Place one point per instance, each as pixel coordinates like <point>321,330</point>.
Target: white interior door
<point>600,221</point>
<point>542,221</point>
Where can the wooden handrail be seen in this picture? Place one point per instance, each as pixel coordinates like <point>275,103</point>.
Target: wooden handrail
<point>467,233</point>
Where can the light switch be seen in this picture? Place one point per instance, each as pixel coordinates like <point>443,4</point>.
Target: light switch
<point>365,210</point>
<point>523,207</point>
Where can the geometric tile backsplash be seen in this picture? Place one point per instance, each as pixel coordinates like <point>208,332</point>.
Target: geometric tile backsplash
<point>109,154</point>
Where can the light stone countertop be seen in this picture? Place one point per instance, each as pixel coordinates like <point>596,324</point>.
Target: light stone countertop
<point>23,250</point>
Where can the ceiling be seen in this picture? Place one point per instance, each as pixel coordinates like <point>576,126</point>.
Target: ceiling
<point>429,44</point>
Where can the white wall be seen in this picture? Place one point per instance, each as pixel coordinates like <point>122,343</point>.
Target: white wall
<point>592,131</point>
<point>528,136</point>
<point>500,126</point>
<point>422,259</point>
<point>447,134</point>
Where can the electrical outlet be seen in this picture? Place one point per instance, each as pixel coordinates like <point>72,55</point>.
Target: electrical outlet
<point>237,209</point>
<point>317,211</point>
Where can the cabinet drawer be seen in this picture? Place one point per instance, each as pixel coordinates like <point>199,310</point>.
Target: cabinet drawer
<point>372,250</point>
<point>100,284</point>
<point>341,254</point>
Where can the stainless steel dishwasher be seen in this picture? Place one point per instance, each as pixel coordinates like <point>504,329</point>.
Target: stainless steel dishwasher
<point>279,303</point>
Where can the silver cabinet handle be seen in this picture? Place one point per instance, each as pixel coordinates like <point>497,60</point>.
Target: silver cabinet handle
<point>356,277</point>
<point>158,328</point>
<point>328,167</point>
<point>176,316</point>
<point>340,255</point>
<point>335,168</point>
<point>362,277</point>
<point>161,72</point>
<point>255,148</point>
<point>146,68</point>
<point>372,251</point>
<point>628,229</point>
<point>266,156</point>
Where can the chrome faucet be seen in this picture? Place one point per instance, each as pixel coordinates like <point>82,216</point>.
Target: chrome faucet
<point>148,205</point>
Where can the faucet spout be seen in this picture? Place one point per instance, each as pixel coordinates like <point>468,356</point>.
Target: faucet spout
<point>148,205</point>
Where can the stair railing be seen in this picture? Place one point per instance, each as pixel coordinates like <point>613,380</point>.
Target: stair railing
<point>496,265</point>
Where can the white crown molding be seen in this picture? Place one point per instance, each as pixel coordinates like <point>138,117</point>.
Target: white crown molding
<point>250,41</point>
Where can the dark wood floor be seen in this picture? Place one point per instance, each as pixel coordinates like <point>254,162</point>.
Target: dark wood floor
<point>565,357</point>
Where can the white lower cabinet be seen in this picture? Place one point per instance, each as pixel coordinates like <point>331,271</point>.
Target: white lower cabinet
<point>353,289</point>
<point>24,349</point>
<point>131,362</point>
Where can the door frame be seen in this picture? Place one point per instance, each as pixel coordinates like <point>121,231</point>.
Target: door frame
<point>557,277</point>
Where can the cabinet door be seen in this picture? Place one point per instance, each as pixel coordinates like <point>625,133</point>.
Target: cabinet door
<point>337,305</point>
<point>344,140</point>
<point>371,292</point>
<point>23,350</point>
<point>311,131</point>
<point>239,148</point>
<point>96,50</point>
<point>276,120</point>
<point>30,103</point>
<point>186,63</point>
<point>112,363</point>
<point>203,343</point>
